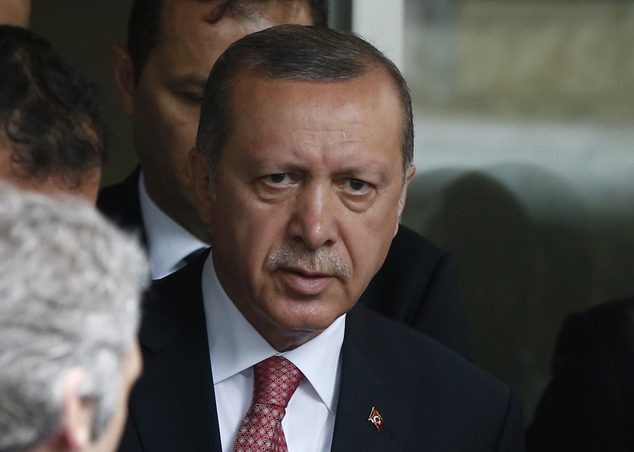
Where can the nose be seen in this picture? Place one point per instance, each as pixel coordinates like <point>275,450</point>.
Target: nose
<point>314,217</point>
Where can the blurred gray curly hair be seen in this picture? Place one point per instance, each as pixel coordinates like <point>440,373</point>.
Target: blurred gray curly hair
<point>70,289</point>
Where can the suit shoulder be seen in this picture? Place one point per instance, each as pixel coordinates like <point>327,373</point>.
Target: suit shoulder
<point>437,388</point>
<point>172,304</point>
<point>587,404</point>
<point>609,315</point>
<point>112,196</point>
<point>185,282</point>
<point>415,351</point>
<point>598,326</point>
<point>409,242</point>
<point>412,265</point>
<point>120,203</point>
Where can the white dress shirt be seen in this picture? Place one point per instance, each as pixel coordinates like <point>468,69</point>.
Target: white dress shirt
<point>168,242</point>
<point>235,347</point>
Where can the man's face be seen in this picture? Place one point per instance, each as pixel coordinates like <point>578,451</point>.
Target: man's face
<point>308,194</point>
<point>165,105</point>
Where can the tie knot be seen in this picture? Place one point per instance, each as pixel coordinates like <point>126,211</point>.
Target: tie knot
<point>276,379</point>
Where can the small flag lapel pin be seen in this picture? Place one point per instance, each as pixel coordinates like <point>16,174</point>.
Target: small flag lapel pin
<point>376,419</point>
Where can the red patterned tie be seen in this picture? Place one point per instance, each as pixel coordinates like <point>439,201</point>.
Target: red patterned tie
<point>276,379</point>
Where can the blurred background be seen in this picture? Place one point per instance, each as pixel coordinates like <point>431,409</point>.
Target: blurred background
<point>525,156</point>
<point>524,116</point>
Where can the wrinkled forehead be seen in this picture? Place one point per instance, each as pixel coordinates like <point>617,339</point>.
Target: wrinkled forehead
<point>369,101</point>
<point>257,103</point>
<point>193,39</point>
<point>180,15</point>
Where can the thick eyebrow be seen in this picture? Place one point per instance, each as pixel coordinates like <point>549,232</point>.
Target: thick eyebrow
<point>365,172</point>
<point>364,169</point>
<point>266,165</point>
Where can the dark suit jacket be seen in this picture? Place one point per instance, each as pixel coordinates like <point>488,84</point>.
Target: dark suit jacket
<point>430,398</point>
<point>589,405</point>
<point>417,285</point>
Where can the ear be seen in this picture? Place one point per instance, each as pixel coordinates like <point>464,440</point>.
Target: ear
<point>401,202</point>
<point>124,76</point>
<point>199,179</point>
<point>17,168</point>
<point>78,416</point>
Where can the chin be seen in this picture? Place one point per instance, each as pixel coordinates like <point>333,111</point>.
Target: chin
<point>307,316</point>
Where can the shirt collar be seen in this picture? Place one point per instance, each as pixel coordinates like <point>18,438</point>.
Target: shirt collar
<point>168,242</point>
<point>235,346</point>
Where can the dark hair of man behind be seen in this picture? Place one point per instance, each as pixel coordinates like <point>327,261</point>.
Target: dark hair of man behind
<point>144,26</point>
<point>292,52</point>
<point>50,116</point>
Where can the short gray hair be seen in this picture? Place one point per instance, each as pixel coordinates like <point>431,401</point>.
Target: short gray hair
<point>70,285</point>
<point>292,52</point>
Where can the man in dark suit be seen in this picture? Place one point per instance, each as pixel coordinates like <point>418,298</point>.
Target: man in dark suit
<point>161,82</point>
<point>589,404</point>
<point>303,157</point>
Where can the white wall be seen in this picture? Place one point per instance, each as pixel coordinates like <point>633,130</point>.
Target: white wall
<point>382,23</point>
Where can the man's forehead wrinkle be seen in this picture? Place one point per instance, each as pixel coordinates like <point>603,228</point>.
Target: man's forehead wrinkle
<point>189,25</point>
<point>195,13</point>
<point>334,133</point>
<point>183,12</point>
<point>186,43</point>
<point>328,139</point>
<point>190,22</point>
<point>212,11</point>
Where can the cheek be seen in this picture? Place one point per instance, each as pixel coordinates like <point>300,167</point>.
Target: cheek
<point>368,238</point>
<point>166,120</point>
<point>246,228</point>
<point>165,144</point>
<point>260,231</point>
<point>242,241</point>
<point>177,128</point>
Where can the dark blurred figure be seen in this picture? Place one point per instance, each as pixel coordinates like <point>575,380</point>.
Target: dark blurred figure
<point>52,135</point>
<point>589,404</point>
<point>161,74</point>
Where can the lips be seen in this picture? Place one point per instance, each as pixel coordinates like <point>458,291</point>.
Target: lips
<point>305,282</point>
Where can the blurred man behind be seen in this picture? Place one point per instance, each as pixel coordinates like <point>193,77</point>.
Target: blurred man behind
<point>70,285</point>
<point>589,404</point>
<point>52,135</point>
<point>172,45</point>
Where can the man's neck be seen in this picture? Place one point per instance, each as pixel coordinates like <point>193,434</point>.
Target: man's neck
<point>178,209</point>
<point>168,242</point>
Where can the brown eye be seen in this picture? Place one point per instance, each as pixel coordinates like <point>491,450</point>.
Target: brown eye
<point>356,185</point>
<point>281,178</point>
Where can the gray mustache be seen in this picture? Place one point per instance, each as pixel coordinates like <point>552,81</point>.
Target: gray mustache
<point>298,256</point>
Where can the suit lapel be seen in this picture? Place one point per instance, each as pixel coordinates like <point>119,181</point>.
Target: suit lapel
<point>368,373</point>
<point>173,405</point>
